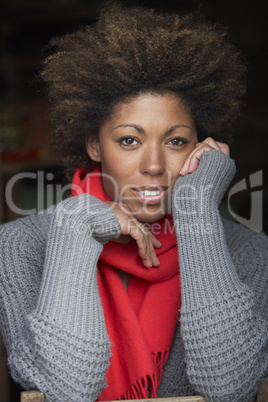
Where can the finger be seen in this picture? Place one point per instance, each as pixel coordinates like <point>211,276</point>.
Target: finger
<point>144,243</point>
<point>220,146</point>
<point>151,256</point>
<point>224,148</point>
<point>130,227</point>
<point>193,158</point>
<point>150,247</point>
<point>143,247</point>
<point>210,141</point>
<point>154,258</point>
<point>155,242</point>
<point>152,243</point>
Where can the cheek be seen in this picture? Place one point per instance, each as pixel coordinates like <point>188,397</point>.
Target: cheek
<point>110,185</point>
<point>117,175</point>
<point>121,167</point>
<point>176,163</point>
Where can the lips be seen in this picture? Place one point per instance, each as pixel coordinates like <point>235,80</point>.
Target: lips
<point>151,194</point>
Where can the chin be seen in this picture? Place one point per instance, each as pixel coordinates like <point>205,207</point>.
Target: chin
<point>151,215</point>
<point>149,218</point>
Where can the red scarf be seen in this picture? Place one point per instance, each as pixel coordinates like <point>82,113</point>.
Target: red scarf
<point>140,321</point>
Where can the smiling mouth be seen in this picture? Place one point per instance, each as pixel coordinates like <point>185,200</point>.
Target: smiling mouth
<point>151,195</point>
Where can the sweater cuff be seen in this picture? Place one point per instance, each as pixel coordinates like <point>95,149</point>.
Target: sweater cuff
<point>207,270</point>
<point>69,291</point>
<point>88,216</point>
<point>207,183</point>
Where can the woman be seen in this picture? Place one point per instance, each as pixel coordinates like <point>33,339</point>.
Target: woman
<point>134,287</point>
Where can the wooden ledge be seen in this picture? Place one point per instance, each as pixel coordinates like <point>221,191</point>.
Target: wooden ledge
<point>32,396</point>
<point>36,396</point>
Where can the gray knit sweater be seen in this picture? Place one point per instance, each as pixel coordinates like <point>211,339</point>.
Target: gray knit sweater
<point>51,315</point>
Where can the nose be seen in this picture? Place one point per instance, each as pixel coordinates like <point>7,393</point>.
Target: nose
<point>153,161</point>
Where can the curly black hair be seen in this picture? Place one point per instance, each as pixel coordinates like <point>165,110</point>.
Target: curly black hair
<point>135,50</point>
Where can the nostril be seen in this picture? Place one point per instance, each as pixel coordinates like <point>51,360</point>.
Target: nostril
<point>153,163</point>
<point>153,170</point>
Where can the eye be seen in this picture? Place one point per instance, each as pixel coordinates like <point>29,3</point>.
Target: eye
<point>128,141</point>
<point>177,142</point>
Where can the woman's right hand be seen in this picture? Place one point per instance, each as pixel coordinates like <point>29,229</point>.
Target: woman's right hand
<point>130,227</point>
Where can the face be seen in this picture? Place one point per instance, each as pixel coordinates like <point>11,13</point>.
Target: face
<point>142,148</point>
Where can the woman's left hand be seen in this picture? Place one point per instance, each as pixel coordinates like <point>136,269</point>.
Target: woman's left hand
<point>191,162</point>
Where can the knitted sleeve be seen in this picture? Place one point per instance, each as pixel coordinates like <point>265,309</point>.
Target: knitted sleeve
<point>61,345</point>
<point>223,324</point>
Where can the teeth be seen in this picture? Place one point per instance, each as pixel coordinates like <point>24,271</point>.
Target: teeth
<point>150,193</point>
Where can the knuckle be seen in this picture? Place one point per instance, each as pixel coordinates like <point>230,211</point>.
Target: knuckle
<point>209,141</point>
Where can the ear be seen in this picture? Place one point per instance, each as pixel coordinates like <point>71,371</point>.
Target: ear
<point>93,149</point>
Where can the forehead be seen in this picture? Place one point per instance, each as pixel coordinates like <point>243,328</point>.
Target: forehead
<point>148,107</point>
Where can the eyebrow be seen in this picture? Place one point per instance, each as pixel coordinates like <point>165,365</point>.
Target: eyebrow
<point>142,131</point>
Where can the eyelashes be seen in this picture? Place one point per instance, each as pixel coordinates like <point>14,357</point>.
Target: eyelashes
<point>129,142</point>
<point>178,142</point>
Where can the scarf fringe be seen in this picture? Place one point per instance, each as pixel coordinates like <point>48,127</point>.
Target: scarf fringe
<point>147,386</point>
<point>143,389</point>
<point>159,360</point>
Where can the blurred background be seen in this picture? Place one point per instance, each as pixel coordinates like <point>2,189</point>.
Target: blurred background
<point>28,166</point>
